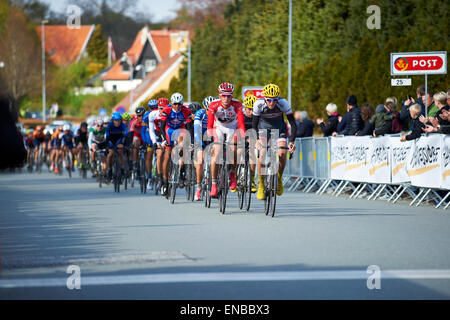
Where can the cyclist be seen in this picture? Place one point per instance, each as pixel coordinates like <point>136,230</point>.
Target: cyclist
<point>267,117</point>
<point>154,129</point>
<point>248,120</point>
<point>97,141</point>
<point>55,143</point>
<point>135,128</point>
<point>174,118</point>
<point>28,142</point>
<point>228,113</point>
<point>200,127</point>
<point>81,141</point>
<point>38,138</point>
<point>67,144</point>
<point>116,133</point>
<point>152,105</point>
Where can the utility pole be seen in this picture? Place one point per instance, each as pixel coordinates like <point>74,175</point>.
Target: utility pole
<point>290,54</point>
<point>44,116</point>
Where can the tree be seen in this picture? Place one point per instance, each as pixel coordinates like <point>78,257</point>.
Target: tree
<point>20,52</point>
<point>97,48</point>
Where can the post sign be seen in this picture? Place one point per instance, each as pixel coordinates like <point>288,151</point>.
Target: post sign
<point>256,91</point>
<point>418,63</point>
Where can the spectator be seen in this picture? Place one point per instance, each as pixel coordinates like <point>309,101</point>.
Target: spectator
<point>382,120</point>
<point>367,111</point>
<point>432,109</point>
<point>415,111</point>
<point>405,117</point>
<point>333,120</point>
<point>440,119</point>
<point>397,124</point>
<point>448,97</point>
<point>351,122</point>
<point>305,126</point>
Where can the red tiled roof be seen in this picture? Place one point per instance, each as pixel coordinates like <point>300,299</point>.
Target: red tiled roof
<point>66,44</point>
<point>149,80</point>
<point>161,40</point>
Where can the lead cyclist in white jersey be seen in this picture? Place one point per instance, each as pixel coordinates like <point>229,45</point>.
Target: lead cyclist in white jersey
<point>268,116</point>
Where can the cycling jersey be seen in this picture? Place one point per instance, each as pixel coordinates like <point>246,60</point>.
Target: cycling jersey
<point>96,136</point>
<point>116,135</point>
<point>154,126</point>
<point>67,140</point>
<point>200,126</point>
<point>272,119</point>
<point>248,122</point>
<point>81,137</point>
<point>225,120</point>
<point>172,121</point>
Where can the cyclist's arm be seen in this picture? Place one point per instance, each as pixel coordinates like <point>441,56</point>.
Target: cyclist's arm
<point>90,138</point>
<point>255,124</point>
<point>293,125</point>
<point>197,132</point>
<point>152,129</point>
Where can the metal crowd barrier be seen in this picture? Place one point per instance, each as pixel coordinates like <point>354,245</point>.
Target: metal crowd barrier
<point>310,167</point>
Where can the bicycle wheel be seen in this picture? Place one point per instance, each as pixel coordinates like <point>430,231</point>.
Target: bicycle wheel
<point>267,193</point>
<point>143,179</point>
<point>69,163</point>
<point>175,175</point>
<point>274,193</point>
<point>99,173</point>
<point>248,186</point>
<point>193,182</point>
<point>187,182</point>
<point>224,191</point>
<point>241,178</point>
<point>117,173</point>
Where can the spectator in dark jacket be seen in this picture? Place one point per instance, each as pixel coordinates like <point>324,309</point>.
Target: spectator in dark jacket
<point>415,111</point>
<point>305,126</point>
<point>333,120</point>
<point>405,117</point>
<point>351,122</point>
<point>383,120</point>
<point>367,111</point>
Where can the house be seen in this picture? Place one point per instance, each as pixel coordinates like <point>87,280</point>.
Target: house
<point>65,46</point>
<point>147,66</point>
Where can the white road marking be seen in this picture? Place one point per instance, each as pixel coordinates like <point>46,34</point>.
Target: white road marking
<point>226,277</point>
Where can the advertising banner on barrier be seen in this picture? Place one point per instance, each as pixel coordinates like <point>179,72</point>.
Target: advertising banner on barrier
<point>378,164</point>
<point>399,154</point>
<point>338,154</point>
<point>424,162</point>
<point>446,162</point>
<point>357,151</point>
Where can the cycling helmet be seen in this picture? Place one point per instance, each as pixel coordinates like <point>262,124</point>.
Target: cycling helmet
<point>163,102</point>
<point>83,124</point>
<point>226,87</point>
<point>194,107</point>
<point>116,116</point>
<point>152,104</point>
<point>271,91</point>
<point>106,119</point>
<point>140,111</point>
<point>98,123</point>
<point>207,101</point>
<point>176,98</point>
<point>249,101</point>
<point>126,116</point>
<point>66,127</point>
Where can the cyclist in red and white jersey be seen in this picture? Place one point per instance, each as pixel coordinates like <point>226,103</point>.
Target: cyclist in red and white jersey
<point>225,117</point>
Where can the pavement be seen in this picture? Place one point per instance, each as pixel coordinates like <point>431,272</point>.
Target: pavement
<point>64,238</point>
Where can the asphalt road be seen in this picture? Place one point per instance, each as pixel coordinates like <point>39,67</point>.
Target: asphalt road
<point>133,246</point>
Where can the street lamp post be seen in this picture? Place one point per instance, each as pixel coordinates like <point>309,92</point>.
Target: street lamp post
<point>44,116</point>
<point>189,70</point>
<point>132,88</point>
<point>290,53</point>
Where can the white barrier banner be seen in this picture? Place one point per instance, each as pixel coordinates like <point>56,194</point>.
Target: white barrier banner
<point>399,155</point>
<point>378,165</point>
<point>446,162</point>
<point>338,154</point>
<point>357,158</point>
<point>424,162</point>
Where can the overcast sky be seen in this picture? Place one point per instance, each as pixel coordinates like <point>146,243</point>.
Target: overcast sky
<point>160,10</point>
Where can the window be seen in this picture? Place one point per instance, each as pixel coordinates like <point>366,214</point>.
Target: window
<point>150,65</point>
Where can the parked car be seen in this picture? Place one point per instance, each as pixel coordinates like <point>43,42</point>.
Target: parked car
<point>55,124</point>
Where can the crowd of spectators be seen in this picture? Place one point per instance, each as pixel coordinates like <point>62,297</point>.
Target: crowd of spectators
<point>413,119</point>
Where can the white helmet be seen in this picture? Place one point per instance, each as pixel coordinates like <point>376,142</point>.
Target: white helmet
<point>66,127</point>
<point>176,98</point>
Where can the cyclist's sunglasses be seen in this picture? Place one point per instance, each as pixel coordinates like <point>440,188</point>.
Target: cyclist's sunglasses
<point>272,99</point>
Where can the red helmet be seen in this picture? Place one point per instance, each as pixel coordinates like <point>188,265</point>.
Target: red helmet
<point>163,102</point>
<point>226,88</point>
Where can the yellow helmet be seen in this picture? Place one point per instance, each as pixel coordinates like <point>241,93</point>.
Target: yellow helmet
<point>249,101</point>
<point>271,91</point>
